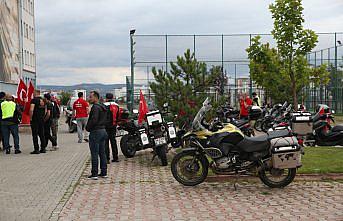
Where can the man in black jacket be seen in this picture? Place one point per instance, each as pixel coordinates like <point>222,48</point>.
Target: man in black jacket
<point>96,126</point>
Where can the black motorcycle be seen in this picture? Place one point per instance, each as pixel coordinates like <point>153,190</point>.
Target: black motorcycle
<point>323,133</point>
<point>155,134</point>
<point>275,156</point>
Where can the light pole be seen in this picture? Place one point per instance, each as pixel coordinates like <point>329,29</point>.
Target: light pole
<point>132,43</point>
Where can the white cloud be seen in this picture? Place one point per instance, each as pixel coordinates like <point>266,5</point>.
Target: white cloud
<point>88,41</point>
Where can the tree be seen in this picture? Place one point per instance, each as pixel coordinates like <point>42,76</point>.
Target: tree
<point>284,71</point>
<point>185,86</point>
<point>65,97</point>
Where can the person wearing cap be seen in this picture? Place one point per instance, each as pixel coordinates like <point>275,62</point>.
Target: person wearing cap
<point>48,121</point>
<point>10,118</point>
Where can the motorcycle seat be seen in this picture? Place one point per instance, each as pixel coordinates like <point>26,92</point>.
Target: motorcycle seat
<point>278,133</point>
<point>254,144</point>
<point>239,123</point>
<point>337,128</point>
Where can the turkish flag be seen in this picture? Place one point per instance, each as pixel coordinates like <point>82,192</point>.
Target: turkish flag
<point>21,92</point>
<point>143,108</point>
<point>30,91</point>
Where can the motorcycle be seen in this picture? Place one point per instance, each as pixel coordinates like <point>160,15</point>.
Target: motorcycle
<point>227,114</point>
<point>71,121</point>
<point>155,134</point>
<point>224,149</point>
<point>323,133</point>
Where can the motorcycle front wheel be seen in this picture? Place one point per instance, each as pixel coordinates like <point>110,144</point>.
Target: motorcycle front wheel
<point>277,178</point>
<point>127,146</point>
<point>189,168</point>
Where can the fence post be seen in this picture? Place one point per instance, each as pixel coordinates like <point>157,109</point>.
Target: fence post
<point>132,32</point>
<point>336,74</point>
<point>250,89</point>
<point>223,53</point>
<point>194,45</point>
<point>166,53</point>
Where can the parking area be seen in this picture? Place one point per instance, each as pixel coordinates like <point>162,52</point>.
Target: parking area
<point>140,190</point>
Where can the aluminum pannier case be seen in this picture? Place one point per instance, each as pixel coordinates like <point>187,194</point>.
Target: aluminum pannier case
<point>302,123</point>
<point>286,153</point>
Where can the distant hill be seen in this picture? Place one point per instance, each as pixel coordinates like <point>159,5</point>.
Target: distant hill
<point>102,88</point>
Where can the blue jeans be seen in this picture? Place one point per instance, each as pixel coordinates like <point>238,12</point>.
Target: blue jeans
<point>97,140</point>
<point>6,131</point>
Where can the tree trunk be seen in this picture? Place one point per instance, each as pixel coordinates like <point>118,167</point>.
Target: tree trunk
<point>294,95</point>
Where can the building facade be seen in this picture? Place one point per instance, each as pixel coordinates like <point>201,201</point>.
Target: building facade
<point>17,43</point>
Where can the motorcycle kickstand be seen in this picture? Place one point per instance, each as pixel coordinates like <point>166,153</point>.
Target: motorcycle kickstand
<point>236,180</point>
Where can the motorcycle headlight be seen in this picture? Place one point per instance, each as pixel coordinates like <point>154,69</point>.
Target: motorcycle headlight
<point>163,128</point>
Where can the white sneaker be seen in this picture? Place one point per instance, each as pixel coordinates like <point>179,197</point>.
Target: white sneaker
<point>55,148</point>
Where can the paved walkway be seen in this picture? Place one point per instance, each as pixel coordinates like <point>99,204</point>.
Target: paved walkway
<point>138,190</point>
<point>32,187</point>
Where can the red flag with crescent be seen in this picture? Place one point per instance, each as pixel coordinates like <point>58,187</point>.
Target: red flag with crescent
<point>21,92</point>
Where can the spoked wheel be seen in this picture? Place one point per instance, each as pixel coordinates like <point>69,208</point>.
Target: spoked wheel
<point>127,146</point>
<point>189,168</point>
<point>277,178</point>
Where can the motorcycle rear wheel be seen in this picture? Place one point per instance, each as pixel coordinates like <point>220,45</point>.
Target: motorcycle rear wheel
<point>267,177</point>
<point>128,149</point>
<point>189,168</point>
<point>162,154</point>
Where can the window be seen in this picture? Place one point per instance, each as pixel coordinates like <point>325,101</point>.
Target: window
<point>31,7</point>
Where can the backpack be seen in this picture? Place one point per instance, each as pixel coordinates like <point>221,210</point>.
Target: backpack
<point>55,110</point>
<point>112,114</point>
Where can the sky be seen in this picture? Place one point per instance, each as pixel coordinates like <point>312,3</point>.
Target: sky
<point>87,41</point>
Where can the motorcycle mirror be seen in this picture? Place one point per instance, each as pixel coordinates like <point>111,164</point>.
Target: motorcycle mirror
<point>332,111</point>
<point>135,111</point>
<point>165,105</point>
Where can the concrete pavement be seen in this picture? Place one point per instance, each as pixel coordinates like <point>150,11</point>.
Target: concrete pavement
<point>35,187</point>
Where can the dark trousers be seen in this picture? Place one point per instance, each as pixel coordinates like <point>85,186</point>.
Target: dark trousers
<point>6,131</point>
<point>97,140</point>
<point>47,134</point>
<point>37,128</point>
<point>111,138</point>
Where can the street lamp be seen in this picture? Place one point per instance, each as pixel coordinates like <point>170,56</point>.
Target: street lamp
<point>132,43</point>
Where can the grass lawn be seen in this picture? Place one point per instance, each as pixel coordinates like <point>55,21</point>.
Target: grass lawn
<point>338,119</point>
<point>322,160</point>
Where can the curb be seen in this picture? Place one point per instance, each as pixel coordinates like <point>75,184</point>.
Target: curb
<point>299,177</point>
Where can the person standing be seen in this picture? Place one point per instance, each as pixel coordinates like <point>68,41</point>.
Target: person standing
<point>245,102</point>
<point>37,114</point>
<point>10,113</point>
<point>2,98</point>
<point>56,113</point>
<point>96,126</point>
<point>48,122</point>
<point>111,127</point>
<point>80,112</point>
<point>256,100</point>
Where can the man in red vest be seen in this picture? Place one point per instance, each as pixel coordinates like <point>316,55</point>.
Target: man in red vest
<point>80,111</point>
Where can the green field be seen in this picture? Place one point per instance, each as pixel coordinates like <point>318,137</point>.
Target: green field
<point>322,160</point>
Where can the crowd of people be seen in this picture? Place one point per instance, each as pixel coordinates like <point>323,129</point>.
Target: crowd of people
<point>99,122</point>
<point>245,102</point>
<point>44,113</point>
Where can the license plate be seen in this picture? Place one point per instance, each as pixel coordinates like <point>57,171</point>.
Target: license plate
<point>160,141</point>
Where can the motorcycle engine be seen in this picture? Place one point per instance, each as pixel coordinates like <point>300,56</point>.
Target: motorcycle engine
<point>223,163</point>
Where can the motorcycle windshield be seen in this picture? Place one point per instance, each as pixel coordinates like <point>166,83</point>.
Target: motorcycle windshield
<point>206,106</point>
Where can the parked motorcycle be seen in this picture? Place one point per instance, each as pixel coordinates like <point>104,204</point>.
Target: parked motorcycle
<point>71,121</point>
<point>227,114</point>
<point>324,134</point>
<point>274,156</point>
<point>155,134</point>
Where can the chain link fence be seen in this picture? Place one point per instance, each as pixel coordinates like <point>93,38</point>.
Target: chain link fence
<point>229,51</point>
